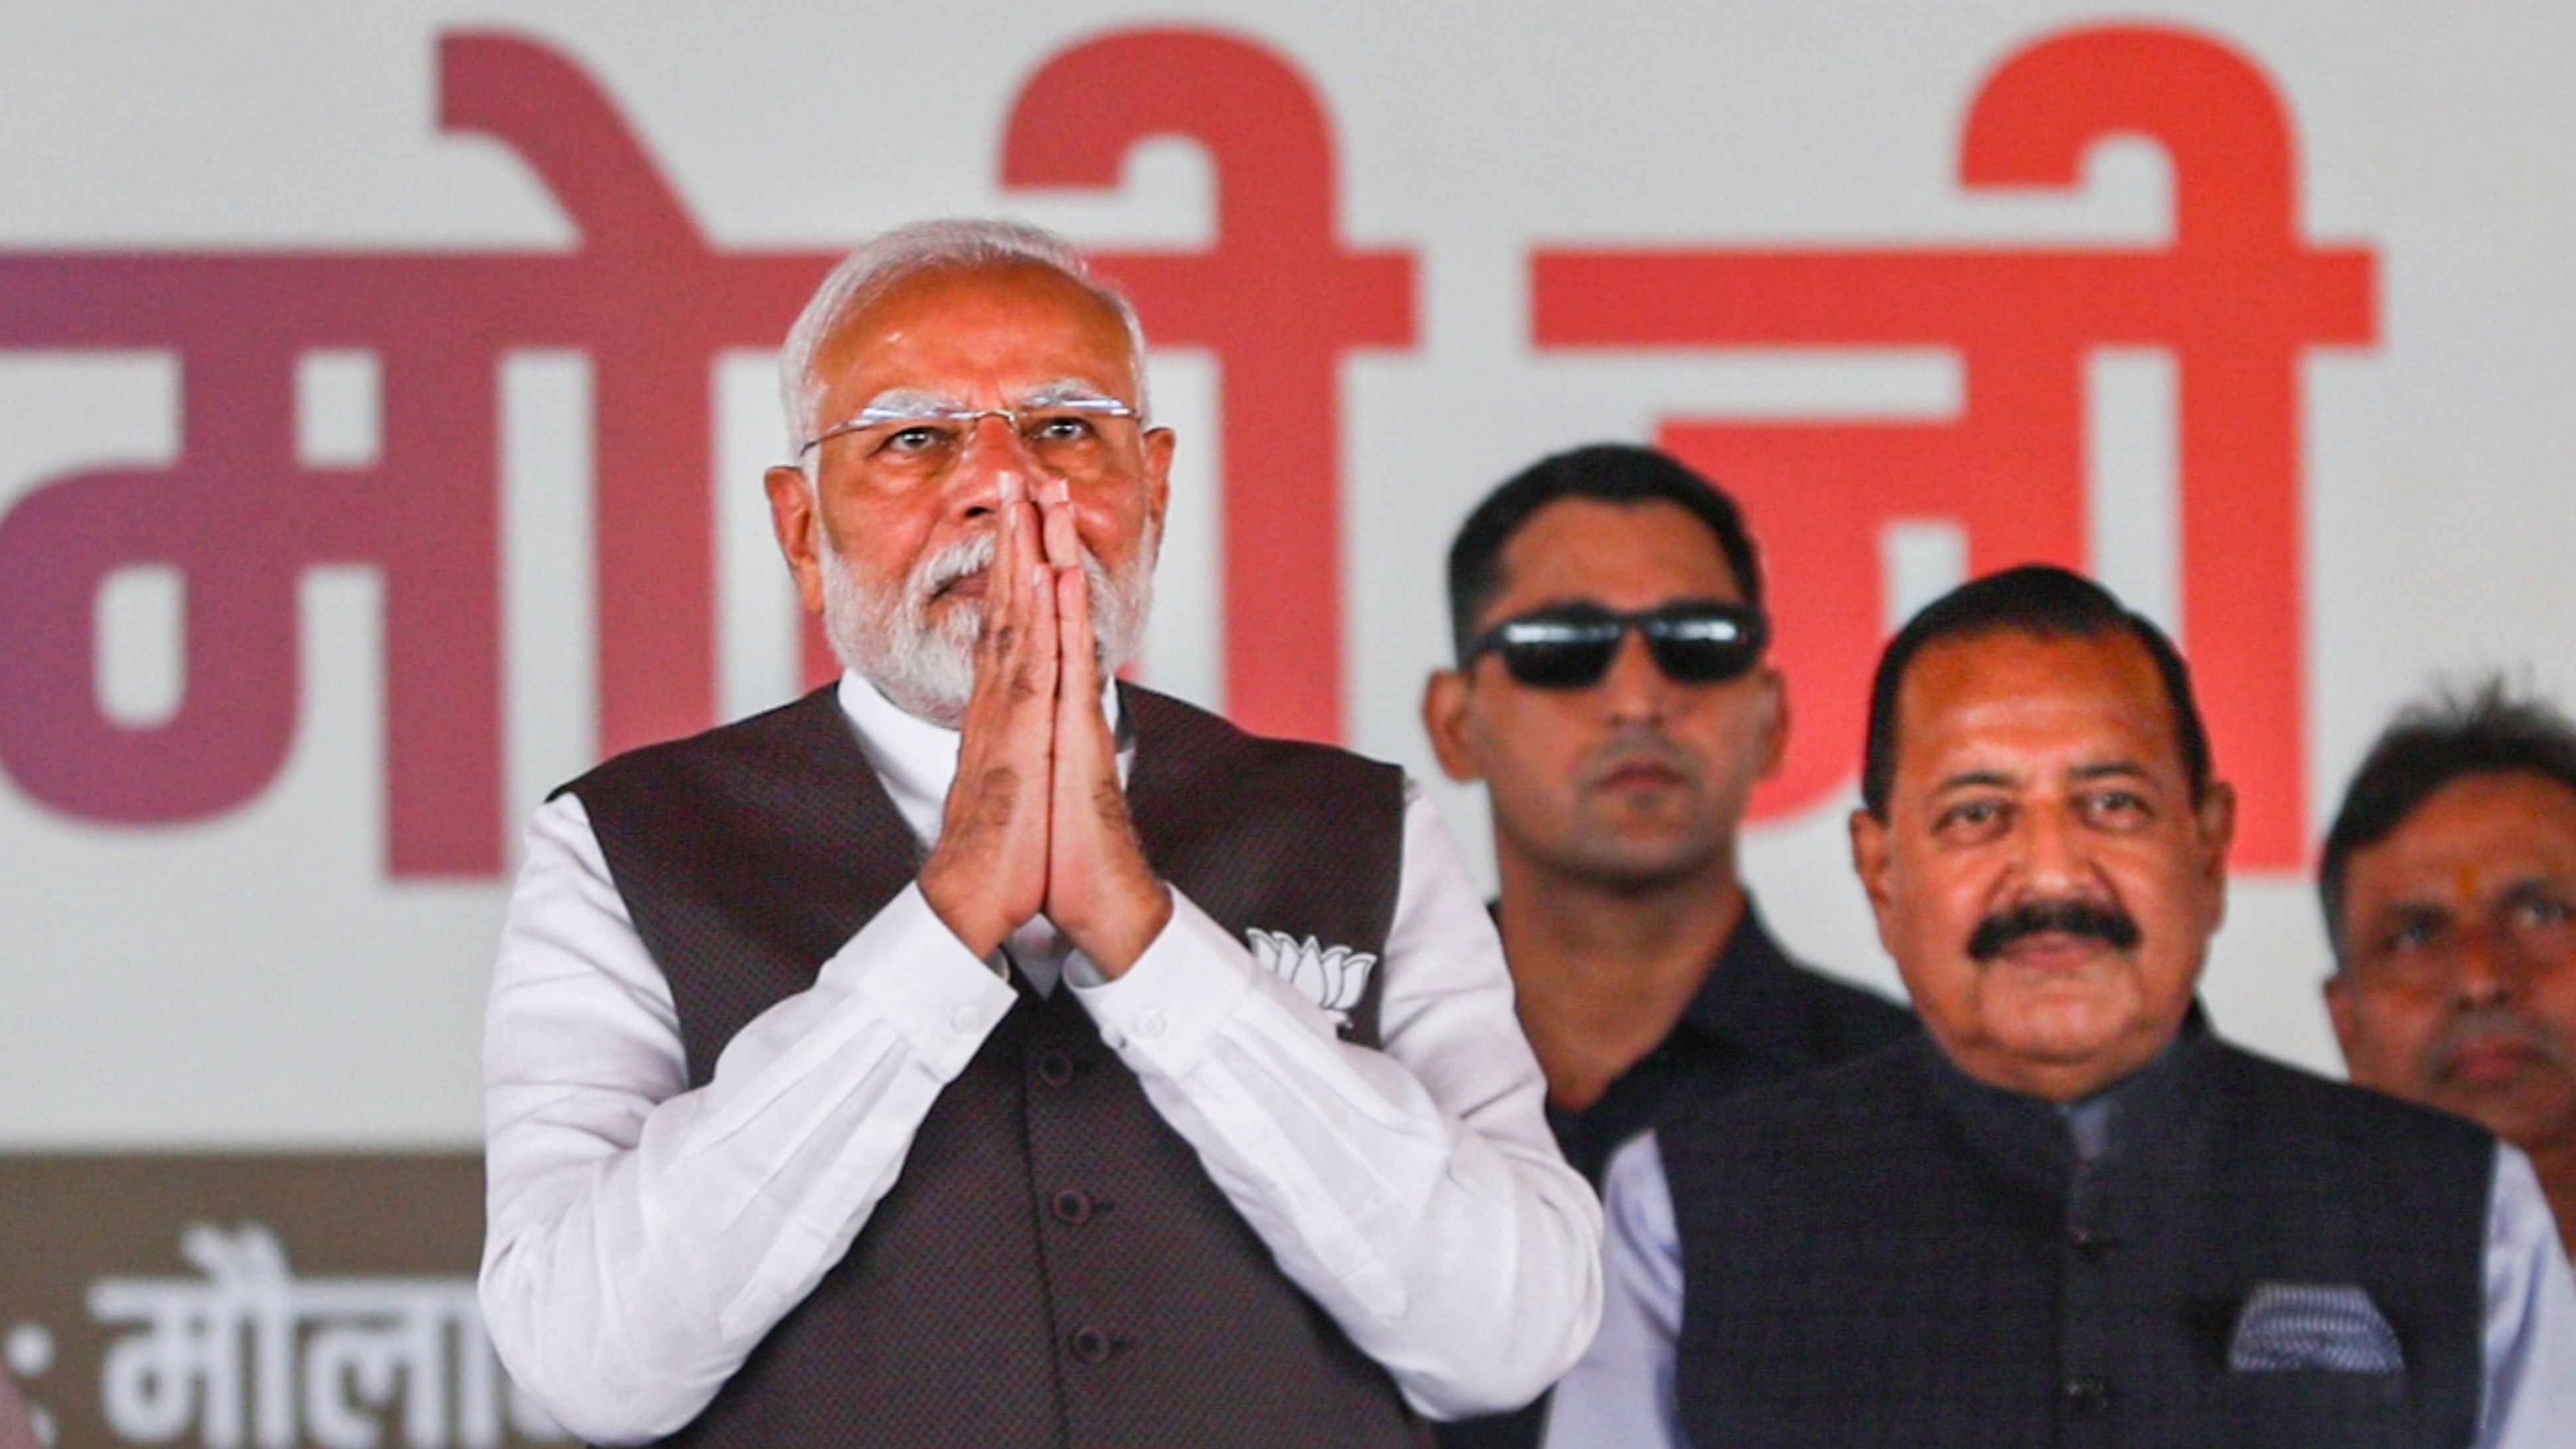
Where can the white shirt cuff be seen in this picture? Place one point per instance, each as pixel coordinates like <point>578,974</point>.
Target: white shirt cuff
<point>940,997</point>
<point>1162,1015</point>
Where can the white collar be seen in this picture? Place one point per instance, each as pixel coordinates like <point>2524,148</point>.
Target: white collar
<point>916,759</point>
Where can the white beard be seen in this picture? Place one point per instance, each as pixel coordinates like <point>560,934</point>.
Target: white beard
<point>926,665</point>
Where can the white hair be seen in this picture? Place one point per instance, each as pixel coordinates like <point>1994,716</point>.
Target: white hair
<point>926,664</point>
<point>874,269</point>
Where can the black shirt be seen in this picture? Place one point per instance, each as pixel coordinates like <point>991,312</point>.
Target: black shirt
<point>1757,1017</point>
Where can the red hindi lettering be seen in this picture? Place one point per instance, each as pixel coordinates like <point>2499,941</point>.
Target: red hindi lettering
<point>2235,298</point>
<point>1276,298</point>
<point>242,519</point>
<point>645,296</point>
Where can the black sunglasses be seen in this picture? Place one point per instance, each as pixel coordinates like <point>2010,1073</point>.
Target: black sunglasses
<point>1570,646</point>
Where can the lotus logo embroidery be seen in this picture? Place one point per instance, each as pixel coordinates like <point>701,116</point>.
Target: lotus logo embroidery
<point>1334,977</point>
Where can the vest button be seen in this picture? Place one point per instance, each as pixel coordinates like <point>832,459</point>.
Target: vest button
<point>2093,1245</point>
<point>2085,1395</point>
<point>1090,1345</point>
<point>1072,1207</point>
<point>1055,1068</point>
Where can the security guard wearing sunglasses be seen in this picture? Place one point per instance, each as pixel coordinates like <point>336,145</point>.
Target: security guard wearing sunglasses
<point>1611,693</point>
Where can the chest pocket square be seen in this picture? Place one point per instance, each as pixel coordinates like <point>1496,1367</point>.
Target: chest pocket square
<point>2331,1326</point>
<point>1332,977</point>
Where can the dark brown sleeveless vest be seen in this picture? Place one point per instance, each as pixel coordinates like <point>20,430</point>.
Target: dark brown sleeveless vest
<point>1052,1267</point>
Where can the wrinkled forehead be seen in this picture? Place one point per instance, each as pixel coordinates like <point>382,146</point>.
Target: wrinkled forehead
<point>907,401</point>
<point>2036,708</point>
<point>987,335</point>
<point>2474,837</point>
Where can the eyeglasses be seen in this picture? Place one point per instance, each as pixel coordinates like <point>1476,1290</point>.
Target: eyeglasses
<point>1571,646</point>
<point>1067,436</point>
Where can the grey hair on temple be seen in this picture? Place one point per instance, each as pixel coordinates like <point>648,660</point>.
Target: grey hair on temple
<point>874,269</point>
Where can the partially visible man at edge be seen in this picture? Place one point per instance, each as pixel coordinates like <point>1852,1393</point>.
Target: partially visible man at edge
<point>977,1052</point>
<point>2067,1213</point>
<point>1612,695</point>
<point>2449,887</point>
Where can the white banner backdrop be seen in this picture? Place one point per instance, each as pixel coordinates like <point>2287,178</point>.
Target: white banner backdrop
<point>383,397</point>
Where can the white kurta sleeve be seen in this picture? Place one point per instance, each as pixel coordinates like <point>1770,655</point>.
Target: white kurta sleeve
<point>643,1236</point>
<point>1414,1192</point>
<point>2530,1400</point>
<point>1621,1395</point>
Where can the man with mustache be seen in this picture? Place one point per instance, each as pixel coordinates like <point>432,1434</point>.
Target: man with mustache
<point>2449,886</point>
<point>981,1052</point>
<point>1612,695</point>
<point>2067,1213</point>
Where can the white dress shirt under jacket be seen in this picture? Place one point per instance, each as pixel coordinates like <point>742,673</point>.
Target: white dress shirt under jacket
<point>644,1237</point>
<point>1621,1396</point>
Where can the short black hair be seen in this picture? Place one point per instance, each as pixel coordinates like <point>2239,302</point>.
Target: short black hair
<point>1620,473</point>
<point>2039,599</point>
<point>2486,729</point>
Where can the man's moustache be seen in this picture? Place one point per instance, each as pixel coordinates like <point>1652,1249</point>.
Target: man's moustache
<point>2483,1027</point>
<point>966,557</point>
<point>1998,933</point>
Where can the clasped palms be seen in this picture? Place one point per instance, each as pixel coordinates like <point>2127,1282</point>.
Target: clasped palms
<point>1036,820</point>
